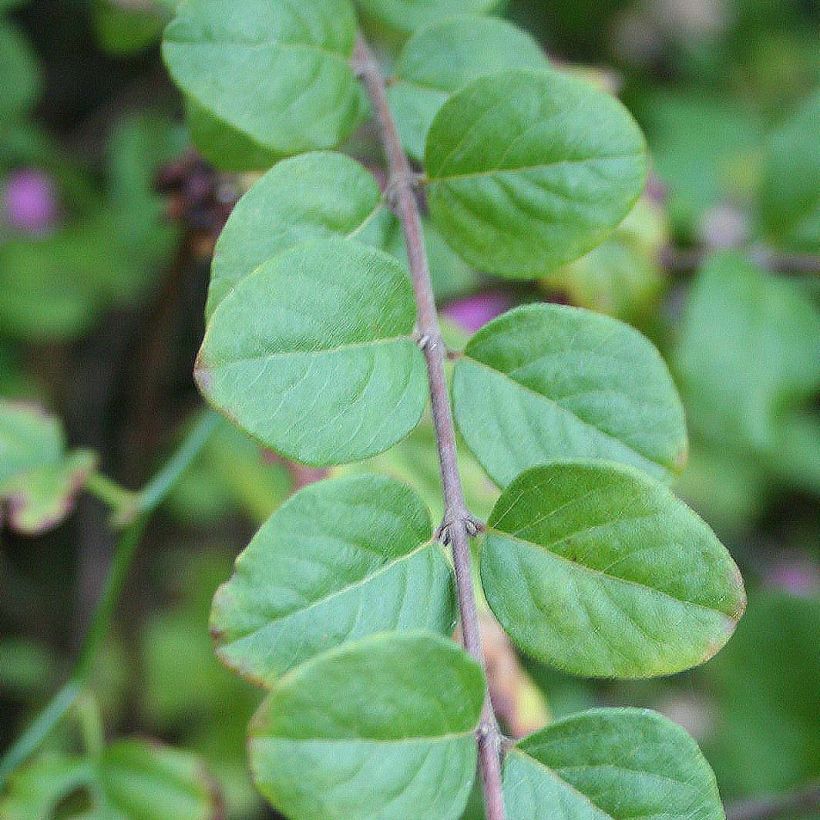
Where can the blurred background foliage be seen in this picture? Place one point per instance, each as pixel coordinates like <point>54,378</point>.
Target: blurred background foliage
<point>107,221</point>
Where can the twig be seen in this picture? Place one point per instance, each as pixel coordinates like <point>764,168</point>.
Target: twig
<point>458,523</point>
<point>791,805</point>
<point>686,260</point>
<point>148,500</point>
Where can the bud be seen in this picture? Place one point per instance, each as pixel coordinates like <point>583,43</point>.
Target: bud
<point>472,312</point>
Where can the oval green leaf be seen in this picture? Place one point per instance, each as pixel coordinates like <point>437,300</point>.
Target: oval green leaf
<point>602,572</point>
<point>529,170</point>
<point>546,382</point>
<point>342,559</point>
<point>610,764</point>
<point>313,196</point>
<point>217,51</point>
<point>441,58</point>
<point>405,16</point>
<point>378,728</point>
<point>312,354</point>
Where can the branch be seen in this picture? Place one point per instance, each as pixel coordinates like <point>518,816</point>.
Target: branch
<point>793,804</point>
<point>686,260</point>
<point>458,525</point>
<point>147,501</point>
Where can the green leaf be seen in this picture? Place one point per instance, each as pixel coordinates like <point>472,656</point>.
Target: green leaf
<point>406,16</point>
<point>313,353</point>
<point>527,171</point>
<point>441,58</point>
<point>342,559</point>
<point>790,194</point>
<point>749,353</point>
<point>141,779</point>
<point>218,51</point>
<point>19,72</point>
<point>610,763</point>
<point>38,480</point>
<point>313,196</point>
<point>381,727</point>
<point>223,146</point>
<point>602,572</point>
<point>545,382</point>
<point>124,30</point>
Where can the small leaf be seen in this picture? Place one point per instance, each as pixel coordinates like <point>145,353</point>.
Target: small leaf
<point>313,196</point>
<point>527,171</point>
<point>602,572</point>
<point>38,479</point>
<point>610,764</point>
<point>19,72</point>
<point>546,382</point>
<point>441,58</point>
<point>341,559</point>
<point>381,727</point>
<point>312,354</point>
<point>35,790</point>
<point>217,52</point>
<point>145,779</point>
<point>405,16</point>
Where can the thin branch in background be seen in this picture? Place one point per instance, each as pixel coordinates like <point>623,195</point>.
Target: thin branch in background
<point>789,806</point>
<point>687,260</point>
<point>458,524</point>
<point>149,499</point>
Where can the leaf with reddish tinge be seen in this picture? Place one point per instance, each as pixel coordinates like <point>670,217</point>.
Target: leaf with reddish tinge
<point>38,478</point>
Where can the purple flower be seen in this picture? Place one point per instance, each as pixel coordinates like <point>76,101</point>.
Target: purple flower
<point>472,312</point>
<point>30,201</point>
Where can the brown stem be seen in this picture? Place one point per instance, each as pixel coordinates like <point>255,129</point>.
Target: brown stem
<point>458,524</point>
<point>686,260</point>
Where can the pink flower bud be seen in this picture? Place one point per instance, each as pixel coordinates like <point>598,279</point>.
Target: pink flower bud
<point>472,312</point>
<point>30,201</point>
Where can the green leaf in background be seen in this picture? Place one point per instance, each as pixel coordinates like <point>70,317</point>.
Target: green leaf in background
<point>312,196</point>
<point>141,779</point>
<point>131,780</point>
<point>766,685</point>
<point>381,727</point>
<point>38,479</point>
<point>124,28</point>
<point>450,275</point>
<point>748,361</point>
<point>217,50</point>
<point>621,277</point>
<point>441,58</point>
<point>405,16</point>
<point>341,559</point>
<point>529,170</point>
<point>703,149</point>
<point>545,382</point>
<point>36,790</point>
<point>790,193</point>
<point>19,72</point>
<point>313,354</point>
<point>414,460</point>
<point>602,572</point>
<point>224,147</point>
<point>610,763</point>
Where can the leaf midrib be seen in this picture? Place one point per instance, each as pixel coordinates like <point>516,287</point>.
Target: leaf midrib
<point>317,351</point>
<point>588,424</point>
<point>527,168</point>
<point>382,570</point>
<point>602,573</point>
